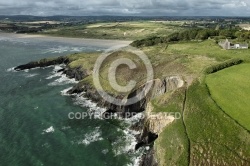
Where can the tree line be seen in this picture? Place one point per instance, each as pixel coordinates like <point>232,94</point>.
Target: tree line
<point>194,34</point>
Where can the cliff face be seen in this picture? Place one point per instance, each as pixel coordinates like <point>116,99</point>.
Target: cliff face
<point>77,73</point>
<point>158,88</point>
<point>150,127</point>
<point>155,123</point>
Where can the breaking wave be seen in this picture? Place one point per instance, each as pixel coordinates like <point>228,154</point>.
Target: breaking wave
<point>91,137</point>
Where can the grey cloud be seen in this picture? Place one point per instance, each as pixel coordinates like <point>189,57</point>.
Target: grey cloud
<point>126,7</point>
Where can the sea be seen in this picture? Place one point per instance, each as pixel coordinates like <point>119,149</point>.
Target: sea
<point>35,128</point>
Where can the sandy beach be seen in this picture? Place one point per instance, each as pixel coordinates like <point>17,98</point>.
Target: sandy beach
<point>75,41</point>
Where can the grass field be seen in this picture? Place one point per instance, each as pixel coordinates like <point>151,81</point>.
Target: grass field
<point>231,91</point>
<point>118,30</point>
<point>215,138</point>
<point>208,48</point>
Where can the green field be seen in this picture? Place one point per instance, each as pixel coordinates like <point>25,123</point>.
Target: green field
<point>231,91</point>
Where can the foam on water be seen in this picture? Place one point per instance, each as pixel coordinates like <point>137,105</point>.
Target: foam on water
<point>134,119</point>
<point>86,103</point>
<point>62,49</point>
<point>91,137</point>
<point>66,127</point>
<point>124,145</point>
<point>48,130</point>
<point>64,92</point>
<point>55,72</point>
<point>58,67</point>
<point>127,142</point>
<point>105,151</point>
<point>54,75</point>
<point>30,75</point>
<point>63,80</point>
<point>11,69</point>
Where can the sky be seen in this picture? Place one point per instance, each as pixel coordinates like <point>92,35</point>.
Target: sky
<point>126,7</point>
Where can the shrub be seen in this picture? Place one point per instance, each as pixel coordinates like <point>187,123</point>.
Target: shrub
<point>226,64</point>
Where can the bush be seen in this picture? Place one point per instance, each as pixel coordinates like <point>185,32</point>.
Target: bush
<point>226,64</point>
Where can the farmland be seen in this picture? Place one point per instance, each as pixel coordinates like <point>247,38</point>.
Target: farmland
<point>118,30</point>
<point>230,89</point>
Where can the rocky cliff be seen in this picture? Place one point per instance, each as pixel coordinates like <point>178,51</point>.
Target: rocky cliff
<point>153,124</point>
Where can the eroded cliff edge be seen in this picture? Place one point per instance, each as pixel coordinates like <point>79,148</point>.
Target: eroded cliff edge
<point>153,123</point>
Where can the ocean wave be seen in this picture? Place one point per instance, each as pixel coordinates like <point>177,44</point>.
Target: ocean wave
<point>105,151</point>
<point>125,144</point>
<point>135,161</point>
<point>58,67</point>
<point>86,103</point>
<point>48,130</point>
<point>55,72</point>
<point>134,119</point>
<point>11,69</point>
<point>66,127</point>
<point>46,145</point>
<point>91,137</point>
<point>64,92</point>
<point>30,75</point>
<point>62,49</point>
<point>129,148</point>
<point>59,74</point>
<point>63,80</point>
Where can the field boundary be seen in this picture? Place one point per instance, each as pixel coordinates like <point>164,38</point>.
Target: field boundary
<point>185,127</point>
<point>226,64</point>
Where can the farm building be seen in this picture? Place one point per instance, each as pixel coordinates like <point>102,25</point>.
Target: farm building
<point>228,45</point>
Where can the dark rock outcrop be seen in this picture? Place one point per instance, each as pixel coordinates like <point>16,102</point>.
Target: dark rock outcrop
<point>149,159</point>
<point>77,73</point>
<point>43,63</point>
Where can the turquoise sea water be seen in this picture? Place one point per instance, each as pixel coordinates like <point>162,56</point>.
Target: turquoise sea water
<point>34,124</point>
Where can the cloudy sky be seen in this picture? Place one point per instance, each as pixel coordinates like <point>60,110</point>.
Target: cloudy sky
<point>126,7</point>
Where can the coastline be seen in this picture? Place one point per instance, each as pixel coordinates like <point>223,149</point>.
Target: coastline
<point>68,40</point>
<point>148,128</point>
<point>132,134</point>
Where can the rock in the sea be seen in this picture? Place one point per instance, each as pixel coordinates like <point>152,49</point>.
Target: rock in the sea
<point>43,63</point>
